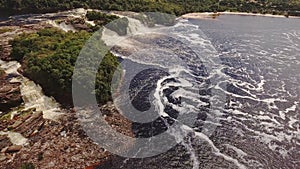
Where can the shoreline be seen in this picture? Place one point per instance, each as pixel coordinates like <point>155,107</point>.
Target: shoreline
<point>211,15</point>
<point>192,15</point>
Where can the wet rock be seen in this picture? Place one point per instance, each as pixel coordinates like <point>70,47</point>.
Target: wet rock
<point>4,142</point>
<point>62,144</point>
<point>13,149</point>
<point>35,116</point>
<point>16,124</point>
<point>5,51</point>
<point>10,94</point>
<point>32,125</point>
<point>25,114</point>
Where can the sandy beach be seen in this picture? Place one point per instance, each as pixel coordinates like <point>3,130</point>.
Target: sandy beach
<point>204,15</point>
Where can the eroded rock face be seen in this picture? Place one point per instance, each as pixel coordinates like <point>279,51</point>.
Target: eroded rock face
<point>61,144</point>
<point>5,50</point>
<point>10,94</point>
<point>49,144</point>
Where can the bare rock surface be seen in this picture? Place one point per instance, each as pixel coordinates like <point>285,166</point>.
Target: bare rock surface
<point>10,95</point>
<point>47,144</point>
<point>51,144</point>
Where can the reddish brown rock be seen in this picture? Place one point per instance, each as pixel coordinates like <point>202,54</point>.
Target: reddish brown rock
<point>10,95</point>
<point>62,144</point>
<point>29,125</point>
<point>13,149</point>
<point>4,142</point>
<point>51,144</point>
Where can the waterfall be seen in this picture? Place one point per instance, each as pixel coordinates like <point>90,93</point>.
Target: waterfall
<point>32,93</point>
<point>135,27</point>
<point>63,26</point>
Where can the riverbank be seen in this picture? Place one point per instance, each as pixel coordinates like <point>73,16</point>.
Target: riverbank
<point>257,14</point>
<point>48,141</point>
<point>63,144</point>
<point>212,15</point>
<point>171,6</point>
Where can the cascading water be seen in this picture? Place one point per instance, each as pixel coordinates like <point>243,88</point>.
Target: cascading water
<point>178,92</point>
<point>63,26</point>
<point>32,93</point>
<point>254,111</point>
<point>257,127</point>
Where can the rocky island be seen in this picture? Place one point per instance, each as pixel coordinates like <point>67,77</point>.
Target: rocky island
<point>36,132</point>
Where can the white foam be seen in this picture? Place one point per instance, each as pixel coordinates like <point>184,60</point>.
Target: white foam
<point>240,152</point>
<point>217,151</point>
<point>91,22</point>
<point>10,67</point>
<point>135,27</point>
<point>32,93</point>
<point>63,26</point>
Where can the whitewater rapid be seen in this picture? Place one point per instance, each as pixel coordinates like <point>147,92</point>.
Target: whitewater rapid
<point>254,74</point>
<point>237,76</point>
<point>143,45</point>
<point>32,93</point>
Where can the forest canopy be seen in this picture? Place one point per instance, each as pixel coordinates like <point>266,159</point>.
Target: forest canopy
<point>48,57</point>
<point>177,7</point>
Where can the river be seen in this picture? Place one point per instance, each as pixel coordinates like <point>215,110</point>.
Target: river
<point>250,63</point>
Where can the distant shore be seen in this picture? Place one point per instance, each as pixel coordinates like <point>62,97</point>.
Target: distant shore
<point>211,15</point>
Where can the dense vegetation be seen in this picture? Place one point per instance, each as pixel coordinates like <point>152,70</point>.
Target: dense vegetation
<point>48,57</point>
<point>98,16</point>
<point>177,7</point>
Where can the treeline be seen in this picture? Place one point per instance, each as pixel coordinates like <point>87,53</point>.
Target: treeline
<point>275,7</point>
<point>48,57</point>
<point>98,16</point>
<point>177,7</point>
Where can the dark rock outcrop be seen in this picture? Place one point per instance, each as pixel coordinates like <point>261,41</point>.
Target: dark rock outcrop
<point>10,95</point>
